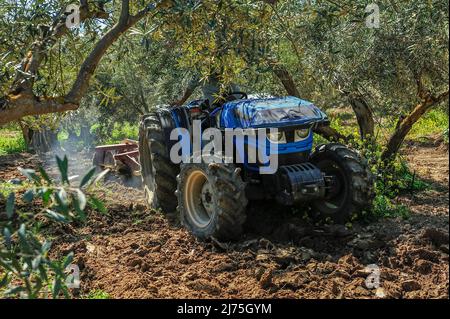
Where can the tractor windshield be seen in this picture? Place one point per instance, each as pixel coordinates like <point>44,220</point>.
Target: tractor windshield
<point>278,112</point>
<point>285,114</point>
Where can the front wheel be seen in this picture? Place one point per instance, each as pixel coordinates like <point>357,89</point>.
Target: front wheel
<point>351,187</point>
<point>211,200</point>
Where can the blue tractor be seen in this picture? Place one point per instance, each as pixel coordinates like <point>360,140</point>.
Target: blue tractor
<point>211,199</point>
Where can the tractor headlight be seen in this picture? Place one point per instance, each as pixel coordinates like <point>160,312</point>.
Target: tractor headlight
<point>301,134</point>
<point>278,137</point>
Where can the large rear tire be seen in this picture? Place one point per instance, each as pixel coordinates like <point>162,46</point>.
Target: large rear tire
<point>211,200</point>
<point>354,189</point>
<point>157,171</point>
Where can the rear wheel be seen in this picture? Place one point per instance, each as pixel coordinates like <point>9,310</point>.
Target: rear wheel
<point>158,172</point>
<point>211,199</point>
<point>351,190</point>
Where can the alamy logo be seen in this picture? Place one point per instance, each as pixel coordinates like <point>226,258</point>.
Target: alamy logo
<point>373,19</point>
<point>73,16</point>
<point>373,280</point>
<point>73,277</point>
<point>225,146</point>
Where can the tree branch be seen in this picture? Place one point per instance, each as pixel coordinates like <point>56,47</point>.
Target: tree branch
<point>89,65</point>
<point>405,126</point>
<point>31,63</point>
<point>21,101</point>
<point>286,79</point>
<point>291,88</point>
<point>187,92</point>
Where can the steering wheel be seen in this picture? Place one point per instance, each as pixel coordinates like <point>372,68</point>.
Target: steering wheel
<point>231,96</point>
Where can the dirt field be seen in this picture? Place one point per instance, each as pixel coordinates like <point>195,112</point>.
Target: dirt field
<point>136,253</point>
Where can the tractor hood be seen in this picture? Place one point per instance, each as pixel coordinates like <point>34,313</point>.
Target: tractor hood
<point>271,112</point>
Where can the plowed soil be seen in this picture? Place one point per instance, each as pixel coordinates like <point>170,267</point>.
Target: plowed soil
<point>132,252</point>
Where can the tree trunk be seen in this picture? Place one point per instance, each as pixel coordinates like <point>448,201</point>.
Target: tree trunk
<point>407,123</point>
<point>364,116</point>
<point>291,88</point>
<point>85,135</point>
<point>44,141</point>
<point>27,134</point>
<point>286,79</point>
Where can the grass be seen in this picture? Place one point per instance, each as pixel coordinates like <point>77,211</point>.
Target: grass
<point>119,132</point>
<point>97,294</point>
<point>384,207</point>
<point>6,188</point>
<point>433,123</point>
<point>11,141</point>
<point>412,182</point>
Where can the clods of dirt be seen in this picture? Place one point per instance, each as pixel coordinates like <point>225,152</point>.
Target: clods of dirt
<point>132,252</point>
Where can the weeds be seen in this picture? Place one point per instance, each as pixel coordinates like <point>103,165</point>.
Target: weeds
<point>391,179</point>
<point>26,270</point>
<point>384,207</point>
<point>97,294</point>
<point>11,142</point>
<point>435,122</point>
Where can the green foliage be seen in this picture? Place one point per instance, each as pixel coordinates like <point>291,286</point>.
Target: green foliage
<point>26,269</point>
<point>325,45</point>
<point>391,179</point>
<point>118,132</point>
<point>383,64</point>
<point>384,207</point>
<point>11,141</point>
<point>124,130</point>
<point>433,123</point>
<point>7,187</point>
<point>98,294</point>
<point>409,181</point>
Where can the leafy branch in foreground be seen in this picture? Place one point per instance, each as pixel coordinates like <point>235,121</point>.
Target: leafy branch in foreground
<point>26,270</point>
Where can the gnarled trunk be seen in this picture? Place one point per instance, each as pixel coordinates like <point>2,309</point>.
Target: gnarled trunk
<point>44,141</point>
<point>286,79</point>
<point>406,124</point>
<point>364,116</point>
<point>39,141</point>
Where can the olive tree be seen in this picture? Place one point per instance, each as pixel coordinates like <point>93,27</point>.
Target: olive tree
<point>21,97</point>
<point>392,73</point>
